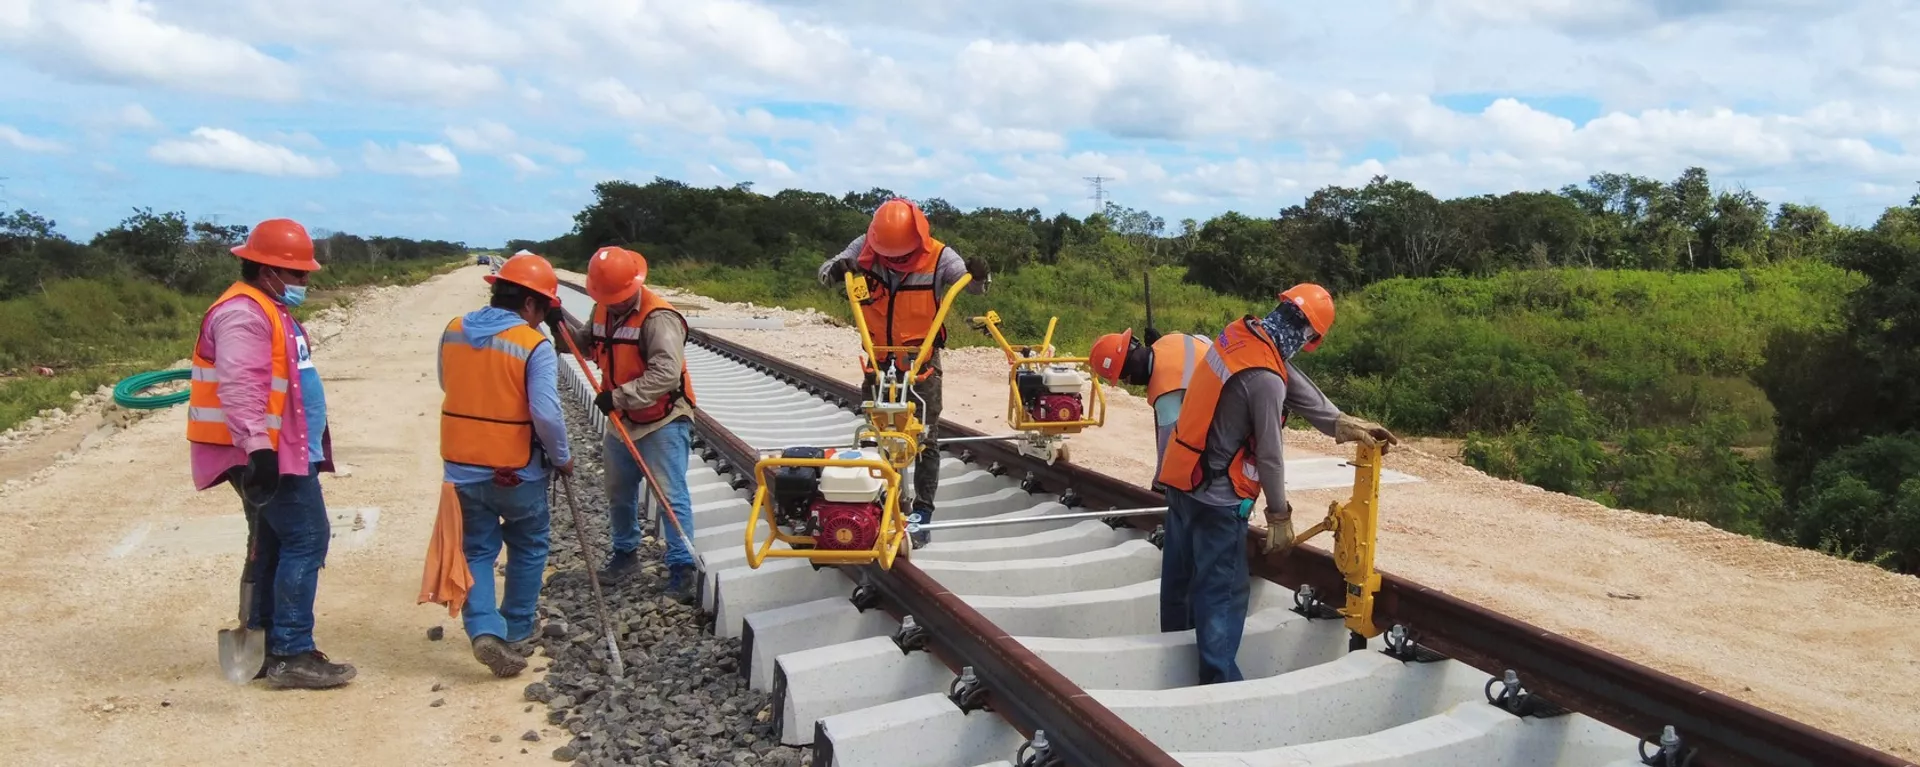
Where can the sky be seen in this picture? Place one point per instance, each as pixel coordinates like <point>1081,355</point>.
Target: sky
<point>481,120</point>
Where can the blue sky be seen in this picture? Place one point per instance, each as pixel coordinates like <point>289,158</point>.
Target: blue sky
<point>484,120</point>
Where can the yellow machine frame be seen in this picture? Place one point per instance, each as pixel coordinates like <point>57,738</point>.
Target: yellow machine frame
<point>1355,525</point>
<point>1096,414</point>
<point>893,424</point>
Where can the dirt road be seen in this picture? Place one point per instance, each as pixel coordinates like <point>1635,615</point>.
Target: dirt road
<point>111,658</point>
<point>1821,640</point>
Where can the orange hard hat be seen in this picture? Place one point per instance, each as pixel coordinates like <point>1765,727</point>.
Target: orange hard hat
<point>614,274</point>
<point>1109,354</point>
<point>898,229</point>
<point>280,242</point>
<point>1317,304</point>
<point>531,272</point>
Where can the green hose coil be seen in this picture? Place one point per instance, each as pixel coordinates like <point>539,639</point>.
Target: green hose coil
<point>123,392</point>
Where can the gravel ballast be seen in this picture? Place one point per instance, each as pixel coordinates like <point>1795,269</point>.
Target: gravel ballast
<point>682,701</point>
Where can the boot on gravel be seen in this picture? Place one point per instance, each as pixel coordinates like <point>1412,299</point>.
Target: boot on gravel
<point>681,580</point>
<point>497,656</point>
<point>619,566</point>
<point>922,513</point>
<point>309,670</point>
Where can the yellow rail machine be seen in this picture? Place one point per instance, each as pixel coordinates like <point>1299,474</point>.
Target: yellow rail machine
<point>1048,396</point>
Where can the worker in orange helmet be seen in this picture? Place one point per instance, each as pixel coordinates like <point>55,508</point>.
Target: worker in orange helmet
<point>1164,364</point>
<point>1226,451</point>
<point>638,339</point>
<point>257,419</point>
<point>907,273</point>
<point>501,431</point>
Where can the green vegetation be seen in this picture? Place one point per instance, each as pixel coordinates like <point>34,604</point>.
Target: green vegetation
<point>1659,346</point>
<point>131,299</point>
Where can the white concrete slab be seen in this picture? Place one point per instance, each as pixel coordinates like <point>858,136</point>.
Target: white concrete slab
<point>806,626</point>
<point>923,731</point>
<point>816,683</point>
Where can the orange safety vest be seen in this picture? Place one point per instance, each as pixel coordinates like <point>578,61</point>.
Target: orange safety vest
<point>903,315</point>
<point>206,417</point>
<point>1175,356</point>
<point>1243,346</point>
<point>485,418</point>
<point>622,357</point>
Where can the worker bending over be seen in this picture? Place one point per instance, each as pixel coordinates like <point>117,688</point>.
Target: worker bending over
<point>257,419</point>
<point>907,273</point>
<point>638,340</point>
<point>501,427</point>
<point>1164,364</point>
<point>1227,447</point>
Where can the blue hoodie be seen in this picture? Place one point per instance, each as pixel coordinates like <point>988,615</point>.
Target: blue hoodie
<point>549,425</point>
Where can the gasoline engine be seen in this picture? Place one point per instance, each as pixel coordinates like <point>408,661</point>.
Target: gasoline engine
<point>1052,394</point>
<point>840,507</point>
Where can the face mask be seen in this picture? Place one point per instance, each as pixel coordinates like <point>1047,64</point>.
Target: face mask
<point>293,295</point>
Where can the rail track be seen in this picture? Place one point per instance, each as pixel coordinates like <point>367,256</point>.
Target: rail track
<point>1037,644</point>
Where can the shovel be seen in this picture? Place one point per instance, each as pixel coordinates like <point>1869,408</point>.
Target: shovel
<point>243,650</point>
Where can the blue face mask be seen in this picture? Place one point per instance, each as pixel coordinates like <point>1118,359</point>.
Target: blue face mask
<point>293,295</point>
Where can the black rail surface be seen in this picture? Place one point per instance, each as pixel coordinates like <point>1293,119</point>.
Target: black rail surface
<point>1719,731</point>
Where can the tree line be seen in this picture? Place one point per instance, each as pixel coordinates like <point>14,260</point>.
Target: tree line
<point>1664,345</point>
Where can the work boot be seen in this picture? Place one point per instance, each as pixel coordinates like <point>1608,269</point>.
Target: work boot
<point>921,514</point>
<point>619,566</point>
<point>681,583</point>
<point>498,656</point>
<point>309,670</point>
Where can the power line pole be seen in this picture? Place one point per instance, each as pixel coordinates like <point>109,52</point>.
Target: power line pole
<point>1099,192</point>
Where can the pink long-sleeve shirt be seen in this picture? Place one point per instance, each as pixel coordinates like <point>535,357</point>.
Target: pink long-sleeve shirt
<point>237,337</point>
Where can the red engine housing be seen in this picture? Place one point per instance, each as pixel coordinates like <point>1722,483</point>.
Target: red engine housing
<point>845,526</point>
<point>1056,408</point>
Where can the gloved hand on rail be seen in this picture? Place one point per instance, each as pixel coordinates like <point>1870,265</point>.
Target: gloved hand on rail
<point>604,401</point>
<point>1279,531</point>
<point>262,477</point>
<point>1367,433</point>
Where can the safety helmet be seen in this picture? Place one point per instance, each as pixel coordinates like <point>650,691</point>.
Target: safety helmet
<point>614,274</point>
<point>280,242</point>
<point>898,229</point>
<point>1317,304</point>
<point>531,272</point>
<point>1109,355</point>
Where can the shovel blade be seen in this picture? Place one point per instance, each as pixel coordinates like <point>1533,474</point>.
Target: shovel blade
<point>242,652</point>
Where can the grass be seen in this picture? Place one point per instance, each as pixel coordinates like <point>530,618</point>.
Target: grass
<point>94,332</point>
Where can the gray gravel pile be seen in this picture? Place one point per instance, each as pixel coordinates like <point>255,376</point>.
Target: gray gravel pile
<point>682,701</point>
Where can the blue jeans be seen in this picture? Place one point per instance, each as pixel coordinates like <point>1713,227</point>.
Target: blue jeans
<point>516,516</point>
<point>665,451</point>
<point>291,536</point>
<point>1203,581</point>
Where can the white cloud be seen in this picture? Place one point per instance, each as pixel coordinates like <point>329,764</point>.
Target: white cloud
<point>408,159</point>
<point>226,150</point>
<point>126,42</point>
<point>136,117</point>
<point>12,137</point>
<point>407,75</point>
<point>491,137</point>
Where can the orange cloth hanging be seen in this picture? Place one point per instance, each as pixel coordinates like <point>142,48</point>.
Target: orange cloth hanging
<point>447,579</point>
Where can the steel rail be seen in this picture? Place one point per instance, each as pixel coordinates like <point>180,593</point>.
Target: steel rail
<point>1020,687</point>
<point>1718,730</point>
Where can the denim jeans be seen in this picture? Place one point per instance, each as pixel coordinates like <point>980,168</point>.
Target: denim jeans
<point>1203,581</point>
<point>665,451</point>
<point>518,517</point>
<point>291,536</point>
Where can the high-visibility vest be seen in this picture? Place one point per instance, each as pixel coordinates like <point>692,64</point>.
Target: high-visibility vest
<point>485,418</point>
<point>622,357</point>
<point>206,417</point>
<point>902,315</point>
<point>1175,357</point>
<point>1243,346</point>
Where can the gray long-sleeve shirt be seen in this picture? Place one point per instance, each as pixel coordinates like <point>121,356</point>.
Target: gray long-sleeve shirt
<point>1251,404</point>
<point>663,342</point>
<point>946,271</point>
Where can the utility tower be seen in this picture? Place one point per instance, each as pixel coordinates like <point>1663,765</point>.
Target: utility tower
<point>1099,192</point>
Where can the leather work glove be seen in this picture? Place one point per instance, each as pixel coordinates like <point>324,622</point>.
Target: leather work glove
<point>837,271</point>
<point>1152,335</point>
<point>1367,433</point>
<point>565,469</point>
<point>978,268</point>
<point>556,321</point>
<point>604,401</point>
<point>1279,532</point>
<point>262,477</point>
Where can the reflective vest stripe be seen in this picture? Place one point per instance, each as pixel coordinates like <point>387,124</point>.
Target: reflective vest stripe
<point>206,416</point>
